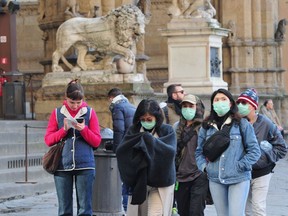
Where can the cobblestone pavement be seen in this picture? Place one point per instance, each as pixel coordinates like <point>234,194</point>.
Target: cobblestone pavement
<point>46,204</point>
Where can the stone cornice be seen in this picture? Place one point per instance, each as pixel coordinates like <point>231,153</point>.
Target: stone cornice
<point>255,70</point>
<point>240,43</point>
<point>50,25</point>
<point>28,9</point>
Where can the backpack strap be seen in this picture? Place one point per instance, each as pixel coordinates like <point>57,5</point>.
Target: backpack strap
<point>226,128</point>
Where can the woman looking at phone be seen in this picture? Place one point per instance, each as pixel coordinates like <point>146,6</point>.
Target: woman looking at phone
<point>77,162</point>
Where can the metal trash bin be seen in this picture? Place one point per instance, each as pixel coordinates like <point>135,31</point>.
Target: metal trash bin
<point>14,96</point>
<point>107,189</point>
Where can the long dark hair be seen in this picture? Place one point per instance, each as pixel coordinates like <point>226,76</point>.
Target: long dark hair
<point>233,112</point>
<point>151,107</point>
<point>74,90</point>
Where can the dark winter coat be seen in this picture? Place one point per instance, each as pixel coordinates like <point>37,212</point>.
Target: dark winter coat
<point>122,117</point>
<point>144,159</point>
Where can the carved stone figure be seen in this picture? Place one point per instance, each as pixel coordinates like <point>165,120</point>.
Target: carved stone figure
<point>192,9</point>
<point>72,8</point>
<point>96,11</point>
<point>281,29</point>
<point>174,9</point>
<point>113,34</point>
<point>145,7</point>
<point>41,10</point>
<point>232,34</point>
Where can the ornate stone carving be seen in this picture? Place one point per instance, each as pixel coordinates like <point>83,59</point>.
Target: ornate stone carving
<point>232,34</point>
<point>145,7</point>
<point>110,35</point>
<point>41,10</point>
<point>192,9</point>
<point>281,29</point>
<point>72,8</point>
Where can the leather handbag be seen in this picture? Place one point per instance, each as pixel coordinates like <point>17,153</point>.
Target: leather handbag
<point>217,143</point>
<point>50,160</point>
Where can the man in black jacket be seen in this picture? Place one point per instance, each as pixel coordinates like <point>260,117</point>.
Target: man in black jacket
<point>122,116</point>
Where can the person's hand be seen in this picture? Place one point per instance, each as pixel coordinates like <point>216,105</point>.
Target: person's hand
<point>66,125</point>
<point>79,126</point>
<point>280,128</point>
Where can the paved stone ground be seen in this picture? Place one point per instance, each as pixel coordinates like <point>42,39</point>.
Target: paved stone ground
<point>46,204</point>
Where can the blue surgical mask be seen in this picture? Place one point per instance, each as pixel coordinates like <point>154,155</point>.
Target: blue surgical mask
<point>188,113</point>
<point>221,107</point>
<point>243,109</point>
<point>148,125</point>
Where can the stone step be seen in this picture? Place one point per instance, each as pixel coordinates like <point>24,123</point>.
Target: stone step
<point>34,173</point>
<point>20,137</point>
<point>18,161</point>
<point>14,179</point>
<point>14,131</point>
<point>19,125</point>
<point>19,149</point>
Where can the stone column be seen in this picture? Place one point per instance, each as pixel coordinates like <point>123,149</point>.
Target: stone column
<point>256,56</point>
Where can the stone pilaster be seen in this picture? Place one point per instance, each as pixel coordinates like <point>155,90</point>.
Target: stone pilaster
<point>255,59</point>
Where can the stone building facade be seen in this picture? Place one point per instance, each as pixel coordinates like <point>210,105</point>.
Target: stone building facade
<point>251,55</point>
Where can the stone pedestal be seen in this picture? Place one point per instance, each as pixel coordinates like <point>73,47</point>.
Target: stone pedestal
<point>96,85</point>
<point>195,54</point>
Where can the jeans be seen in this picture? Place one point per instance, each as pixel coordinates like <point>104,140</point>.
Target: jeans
<point>256,203</point>
<point>230,199</point>
<point>84,180</point>
<point>190,196</point>
<point>125,193</point>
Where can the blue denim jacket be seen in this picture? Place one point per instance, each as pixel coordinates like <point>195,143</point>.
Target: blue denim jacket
<point>235,163</point>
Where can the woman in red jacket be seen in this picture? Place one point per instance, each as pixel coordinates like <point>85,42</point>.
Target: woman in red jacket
<point>77,161</point>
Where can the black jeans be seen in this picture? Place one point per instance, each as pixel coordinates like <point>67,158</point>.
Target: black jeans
<point>191,196</point>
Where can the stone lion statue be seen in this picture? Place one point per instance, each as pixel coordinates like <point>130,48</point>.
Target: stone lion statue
<point>114,34</point>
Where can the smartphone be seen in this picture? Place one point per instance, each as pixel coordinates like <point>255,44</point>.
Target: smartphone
<point>80,120</point>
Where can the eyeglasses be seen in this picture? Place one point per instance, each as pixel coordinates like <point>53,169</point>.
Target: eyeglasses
<point>181,91</point>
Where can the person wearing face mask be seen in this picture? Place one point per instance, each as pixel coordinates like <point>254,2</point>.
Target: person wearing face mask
<point>192,182</point>
<point>273,148</point>
<point>229,175</point>
<point>146,161</point>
